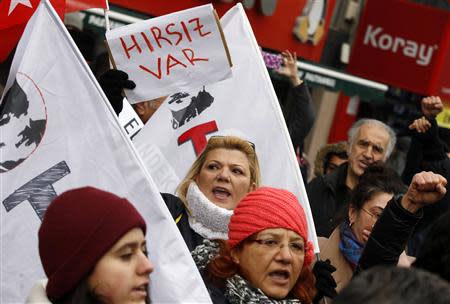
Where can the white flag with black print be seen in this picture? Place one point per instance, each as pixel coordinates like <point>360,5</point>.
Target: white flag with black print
<point>59,132</point>
<point>244,105</point>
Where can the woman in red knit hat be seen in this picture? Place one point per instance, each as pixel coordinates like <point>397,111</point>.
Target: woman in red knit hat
<point>267,256</point>
<point>93,250</point>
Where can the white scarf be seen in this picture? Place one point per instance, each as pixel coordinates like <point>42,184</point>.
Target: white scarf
<point>206,218</point>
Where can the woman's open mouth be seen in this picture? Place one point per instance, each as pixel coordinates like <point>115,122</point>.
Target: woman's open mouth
<point>221,193</point>
<point>280,276</point>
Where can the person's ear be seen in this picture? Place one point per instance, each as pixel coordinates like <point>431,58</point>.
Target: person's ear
<point>234,256</point>
<point>252,187</point>
<point>141,108</point>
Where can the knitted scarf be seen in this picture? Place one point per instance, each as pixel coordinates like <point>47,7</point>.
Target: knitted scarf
<point>204,253</point>
<point>205,217</point>
<point>349,245</point>
<point>239,291</point>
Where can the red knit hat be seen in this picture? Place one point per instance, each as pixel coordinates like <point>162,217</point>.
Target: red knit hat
<point>79,227</point>
<point>269,208</point>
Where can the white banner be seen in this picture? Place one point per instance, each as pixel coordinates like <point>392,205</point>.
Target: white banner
<point>59,132</point>
<point>244,105</point>
<point>171,52</point>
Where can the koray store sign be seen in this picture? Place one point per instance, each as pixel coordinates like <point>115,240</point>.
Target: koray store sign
<point>405,45</point>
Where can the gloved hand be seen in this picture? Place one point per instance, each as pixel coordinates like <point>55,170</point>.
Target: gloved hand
<point>325,283</point>
<point>112,83</point>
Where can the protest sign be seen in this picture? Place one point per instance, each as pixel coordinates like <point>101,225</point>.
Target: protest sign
<point>244,105</point>
<point>171,53</point>
<point>59,132</point>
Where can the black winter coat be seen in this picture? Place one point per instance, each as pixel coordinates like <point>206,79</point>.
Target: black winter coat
<point>329,197</point>
<point>389,236</point>
<point>180,216</point>
<point>427,153</point>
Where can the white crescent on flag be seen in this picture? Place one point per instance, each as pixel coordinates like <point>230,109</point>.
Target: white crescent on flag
<point>59,132</point>
<point>244,105</point>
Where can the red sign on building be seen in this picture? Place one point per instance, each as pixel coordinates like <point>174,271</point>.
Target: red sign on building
<point>274,31</point>
<point>404,44</point>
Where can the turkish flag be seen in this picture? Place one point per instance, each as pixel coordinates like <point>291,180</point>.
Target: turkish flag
<point>14,15</point>
<point>79,5</point>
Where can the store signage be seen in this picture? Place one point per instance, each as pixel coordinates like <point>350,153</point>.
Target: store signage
<point>398,50</point>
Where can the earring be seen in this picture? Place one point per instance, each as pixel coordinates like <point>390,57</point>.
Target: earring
<point>350,224</point>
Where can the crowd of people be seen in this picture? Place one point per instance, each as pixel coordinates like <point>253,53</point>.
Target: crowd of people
<point>250,242</point>
<point>383,238</point>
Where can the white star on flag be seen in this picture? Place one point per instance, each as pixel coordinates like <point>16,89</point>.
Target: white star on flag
<point>14,3</point>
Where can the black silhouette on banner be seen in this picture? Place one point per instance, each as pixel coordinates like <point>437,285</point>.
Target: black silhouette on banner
<point>22,127</point>
<point>197,105</point>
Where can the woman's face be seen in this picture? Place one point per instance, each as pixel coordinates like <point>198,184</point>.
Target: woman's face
<point>271,261</point>
<point>122,274</point>
<point>224,177</point>
<point>364,219</point>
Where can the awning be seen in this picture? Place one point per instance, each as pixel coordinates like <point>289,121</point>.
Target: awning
<point>334,80</point>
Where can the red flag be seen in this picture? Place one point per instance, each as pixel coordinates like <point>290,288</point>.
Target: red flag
<point>14,15</point>
<point>79,5</point>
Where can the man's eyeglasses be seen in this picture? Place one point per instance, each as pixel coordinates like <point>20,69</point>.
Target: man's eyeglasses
<point>221,136</point>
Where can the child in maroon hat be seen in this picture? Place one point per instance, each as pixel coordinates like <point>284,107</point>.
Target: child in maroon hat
<point>93,250</point>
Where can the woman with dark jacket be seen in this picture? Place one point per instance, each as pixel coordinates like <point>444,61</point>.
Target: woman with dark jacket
<point>219,178</point>
<point>392,231</point>
<point>369,198</point>
<point>267,256</point>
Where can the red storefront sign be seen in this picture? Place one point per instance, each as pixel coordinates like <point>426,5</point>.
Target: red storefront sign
<point>404,44</point>
<point>274,32</point>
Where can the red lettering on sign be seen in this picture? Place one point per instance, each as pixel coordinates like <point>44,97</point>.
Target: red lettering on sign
<point>197,135</point>
<point>147,42</point>
<point>157,35</point>
<point>191,57</point>
<point>186,31</point>
<point>151,72</point>
<point>127,49</point>
<point>180,37</point>
<point>170,65</point>
<point>199,27</point>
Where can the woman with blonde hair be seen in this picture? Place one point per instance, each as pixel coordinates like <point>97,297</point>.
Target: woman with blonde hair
<point>219,178</point>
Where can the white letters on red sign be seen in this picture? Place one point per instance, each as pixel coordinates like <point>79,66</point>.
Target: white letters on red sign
<point>409,48</point>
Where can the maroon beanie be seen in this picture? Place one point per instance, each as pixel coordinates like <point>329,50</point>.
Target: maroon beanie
<point>79,227</point>
<point>267,208</point>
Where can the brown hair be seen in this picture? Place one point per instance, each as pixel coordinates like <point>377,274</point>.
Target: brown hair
<point>223,267</point>
<point>224,142</point>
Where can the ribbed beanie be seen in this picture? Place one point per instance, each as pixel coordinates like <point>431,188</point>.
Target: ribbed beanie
<point>267,208</point>
<point>78,228</point>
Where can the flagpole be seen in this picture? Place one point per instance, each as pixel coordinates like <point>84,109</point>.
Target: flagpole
<point>106,11</point>
<point>108,27</point>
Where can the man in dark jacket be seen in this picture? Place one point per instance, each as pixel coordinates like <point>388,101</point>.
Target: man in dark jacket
<point>370,141</point>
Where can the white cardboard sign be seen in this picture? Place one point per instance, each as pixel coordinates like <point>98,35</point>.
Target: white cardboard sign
<point>171,53</point>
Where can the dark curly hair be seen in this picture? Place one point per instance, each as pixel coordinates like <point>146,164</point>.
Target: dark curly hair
<point>376,178</point>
